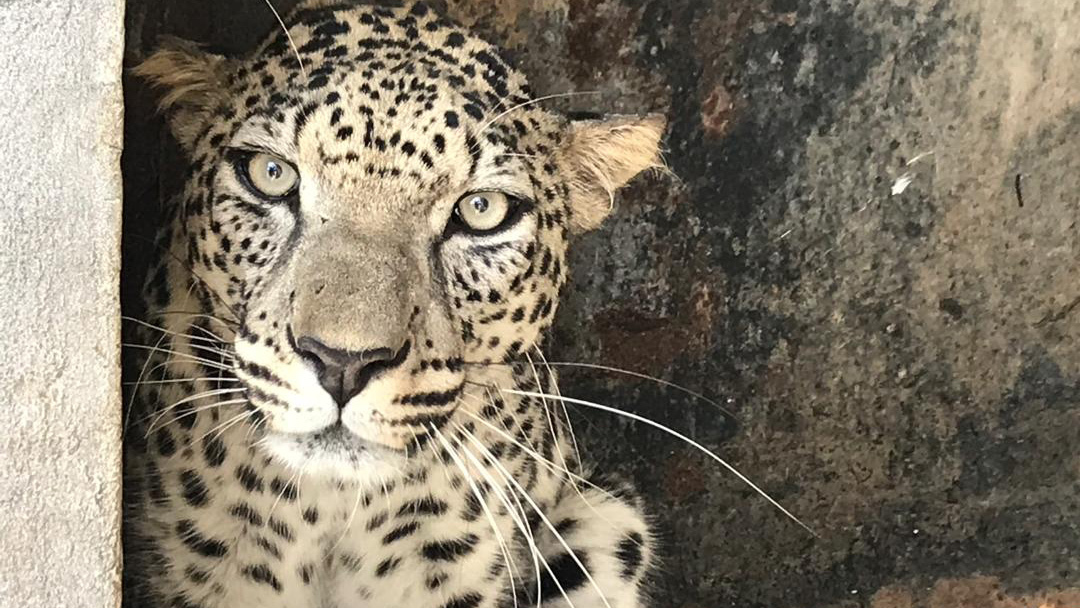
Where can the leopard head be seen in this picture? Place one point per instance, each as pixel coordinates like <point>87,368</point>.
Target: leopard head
<point>380,200</point>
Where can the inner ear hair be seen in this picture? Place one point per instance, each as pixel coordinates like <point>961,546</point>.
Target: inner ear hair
<point>603,155</point>
<point>191,81</point>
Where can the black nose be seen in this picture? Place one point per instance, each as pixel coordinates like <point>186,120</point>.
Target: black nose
<point>344,373</point>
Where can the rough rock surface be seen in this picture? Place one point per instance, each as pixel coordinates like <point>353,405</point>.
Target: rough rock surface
<point>62,113</point>
<point>868,258</point>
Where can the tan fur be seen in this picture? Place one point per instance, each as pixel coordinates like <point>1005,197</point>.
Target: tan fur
<point>604,156</point>
<point>192,82</point>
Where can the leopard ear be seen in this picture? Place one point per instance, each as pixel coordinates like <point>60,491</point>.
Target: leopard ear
<point>191,82</point>
<point>602,156</point>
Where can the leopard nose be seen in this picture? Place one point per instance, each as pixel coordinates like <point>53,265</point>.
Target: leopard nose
<point>344,373</point>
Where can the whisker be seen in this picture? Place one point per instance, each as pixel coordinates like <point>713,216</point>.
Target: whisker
<point>536,509</point>
<point>510,566</point>
<point>135,391</point>
<point>352,515</point>
<point>221,428</point>
<point>566,414</point>
<point>524,104</point>
<point>626,372</point>
<point>180,381</point>
<point>188,356</point>
<point>288,36</point>
<point>678,435</point>
<point>196,410</point>
<point>215,339</point>
<point>198,347</point>
<point>203,395</point>
<point>198,315</point>
<point>520,519</point>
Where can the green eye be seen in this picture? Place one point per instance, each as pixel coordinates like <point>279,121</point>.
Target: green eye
<point>270,176</point>
<point>483,211</point>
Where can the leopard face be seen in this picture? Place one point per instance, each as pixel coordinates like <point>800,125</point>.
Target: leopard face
<point>381,205</point>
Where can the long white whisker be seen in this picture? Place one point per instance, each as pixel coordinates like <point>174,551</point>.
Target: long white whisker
<point>631,373</point>
<point>196,410</point>
<point>221,428</point>
<point>536,508</point>
<point>181,381</point>
<point>203,395</point>
<point>135,391</point>
<point>352,515</point>
<point>214,340</point>
<point>569,424</point>
<point>187,356</point>
<point>530,102</point>
<point>520,519</point>
<point>227,324</point>
<point>678,435</point>
<point>510,566</point>
<point>295,50</point>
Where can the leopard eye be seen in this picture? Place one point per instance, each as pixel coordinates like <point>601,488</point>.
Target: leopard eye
<point>270,176</point>
<point>483,211</point>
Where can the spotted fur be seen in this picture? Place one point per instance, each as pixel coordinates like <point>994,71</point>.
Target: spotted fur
<point>409,476</point>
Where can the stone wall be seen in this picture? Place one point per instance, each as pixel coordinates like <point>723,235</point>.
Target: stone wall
<point>867,257</point>
<point>62,116</point>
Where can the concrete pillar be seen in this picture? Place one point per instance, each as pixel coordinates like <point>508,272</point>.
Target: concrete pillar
<point>62,113</point>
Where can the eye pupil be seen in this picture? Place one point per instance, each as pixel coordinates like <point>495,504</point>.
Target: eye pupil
<point>273,170</point>
<point>480,204</point>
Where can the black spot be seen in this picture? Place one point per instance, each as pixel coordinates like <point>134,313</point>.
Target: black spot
<point>165,443</point>
<point>473,110</point>
<point>214,451</point>
<point>195,492</point>
<point>452,120</point>
<point>196,576</point>
<point>566,526</point>
<point>194,540</point>
<point>387,566</point>
<point>429,505</point>
<point>377,521</point>
<point>473,508</point>
<point>564,570</point>
<point>400,532</point>
<point>244,511</point>
<point>281,529</point>
<point>261,573</point>
<point>311,515</point>
<point>269,547</point>
<point>468,600</point>
<point>306,573</point>
<point>629,553</point>
<point>450,550</point>
<point>249,478</point>
<point>283,489</point>
<point>455,40</point>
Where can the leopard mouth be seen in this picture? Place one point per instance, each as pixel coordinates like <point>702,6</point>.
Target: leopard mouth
<point>337,439</point>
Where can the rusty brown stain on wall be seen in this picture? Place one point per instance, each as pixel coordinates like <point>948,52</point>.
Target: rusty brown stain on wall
<point>637,341</point>
<point>974,592</point>
<point>718,112</point>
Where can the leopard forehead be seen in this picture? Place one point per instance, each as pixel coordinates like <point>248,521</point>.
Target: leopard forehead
<point>401,91</point>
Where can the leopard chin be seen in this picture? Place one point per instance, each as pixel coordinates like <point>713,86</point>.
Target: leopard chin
<point>336,453</point>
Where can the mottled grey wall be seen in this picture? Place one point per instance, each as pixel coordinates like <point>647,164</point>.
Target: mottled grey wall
<point>901,366</point>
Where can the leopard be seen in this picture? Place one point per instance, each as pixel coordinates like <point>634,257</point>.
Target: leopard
<point>340,396</point>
